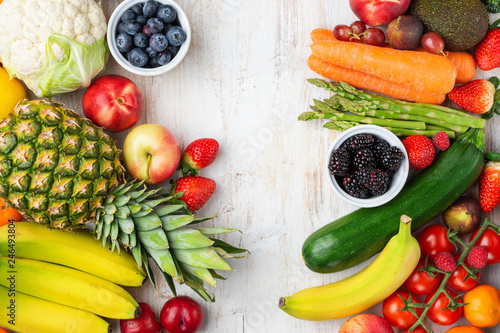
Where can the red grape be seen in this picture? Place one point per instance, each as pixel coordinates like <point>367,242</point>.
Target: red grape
<point>357,27</point>
<point>342,32</point>
<point>374,36</point>
<point>432,43</point>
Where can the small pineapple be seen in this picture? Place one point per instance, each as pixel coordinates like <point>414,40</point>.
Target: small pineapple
<point>60,170</point>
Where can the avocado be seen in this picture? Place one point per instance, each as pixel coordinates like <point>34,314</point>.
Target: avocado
<point>461,23</point>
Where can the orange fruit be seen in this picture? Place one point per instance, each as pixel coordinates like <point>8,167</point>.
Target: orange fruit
<point>464,329</point>
<point>3,330</point>
<point>8,214</point>
<point>483,306</point>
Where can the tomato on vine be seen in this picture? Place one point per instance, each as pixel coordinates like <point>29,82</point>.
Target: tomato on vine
<point>420,282</point>
<point>433,240</point>
<point>457,279</point>
<point>392,310</point>
<point>491,241</point>
<point>438,311</point>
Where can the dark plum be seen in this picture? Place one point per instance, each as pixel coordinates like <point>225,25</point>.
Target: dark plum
<point>137,57</point>
<point>166,13</point>
<point>158,42</point>
<point>124,42</point>
<point>128,15</point>
<point>137,8</point>
<point>176,36</point>
<point>133,27</point>
<point>164,58</point>
<point>150,8</point>
<point>141,40</point>
<point>155,25</point>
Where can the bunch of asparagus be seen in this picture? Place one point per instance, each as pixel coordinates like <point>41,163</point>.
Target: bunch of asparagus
<point>349,107</point>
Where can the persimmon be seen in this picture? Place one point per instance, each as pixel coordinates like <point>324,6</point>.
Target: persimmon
<point>8,214</point>
<point>483,306</point>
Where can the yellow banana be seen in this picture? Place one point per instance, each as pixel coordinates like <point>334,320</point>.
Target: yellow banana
<point>363,290</point>
<point>77,250</point>
<point>28,314</point>
<point>68,286</point>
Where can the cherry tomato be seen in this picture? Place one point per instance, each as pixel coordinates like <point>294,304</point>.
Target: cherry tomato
<point>432,43</point>
<point>434,240</point>
<point>440,316</point>
<point>456,280</point>
<point>491,241</point>
<point>392,306</point>
<point>420,282</point>
<point>357,27</point>
<point>8,214</point>
<point>342,32</point>
<point>374,36</point>
<point>419,329</point>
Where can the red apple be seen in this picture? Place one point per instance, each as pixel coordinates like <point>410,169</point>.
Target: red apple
<point>378,12</point>
<point>181,315</point>
<point>366,323</point>
<point>151,153</point>
<point>145,323</point>
<point>113,102</point>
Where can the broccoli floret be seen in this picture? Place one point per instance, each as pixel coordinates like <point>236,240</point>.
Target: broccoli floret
<point>493,6</point>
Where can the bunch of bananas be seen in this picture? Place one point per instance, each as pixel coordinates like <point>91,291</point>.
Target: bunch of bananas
<point>56,281</point>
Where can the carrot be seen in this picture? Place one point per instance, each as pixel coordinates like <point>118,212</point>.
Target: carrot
<point>322,34</point>
<point>418,70</point>
<point>370,82</point>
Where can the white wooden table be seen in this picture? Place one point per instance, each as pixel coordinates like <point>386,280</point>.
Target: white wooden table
<point>243,83</point>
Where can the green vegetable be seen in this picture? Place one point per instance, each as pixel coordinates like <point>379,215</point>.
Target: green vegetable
<point>492,6</point>
<point>361,234</point>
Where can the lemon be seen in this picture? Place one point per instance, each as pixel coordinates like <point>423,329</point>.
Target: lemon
<point>11,92</point>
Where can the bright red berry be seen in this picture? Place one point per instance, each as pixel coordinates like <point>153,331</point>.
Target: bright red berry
<point>420,151</point>
<point>441,141</point>
<point>487,52</point>
<point>195,191</point>
<point>477,257</point>
<point>489,186</point>
<point>445,262</point>
<point>198,155</point>
<point>477,96</point>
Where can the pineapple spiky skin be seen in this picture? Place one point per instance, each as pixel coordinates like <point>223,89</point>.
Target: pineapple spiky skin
<point>56,167</point>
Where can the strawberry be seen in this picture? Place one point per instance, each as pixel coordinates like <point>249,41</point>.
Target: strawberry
<point>420,151</point>
<point>489,186</point>
<point>477,96</point>
<point>487,52</point>
<point>195,190</point>
<point>198,155</point>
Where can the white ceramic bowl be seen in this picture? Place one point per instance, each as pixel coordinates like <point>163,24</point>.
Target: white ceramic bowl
<point>114,20</point>
<point>398,180</point>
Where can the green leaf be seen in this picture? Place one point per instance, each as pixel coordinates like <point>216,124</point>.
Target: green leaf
<point>227,247</point>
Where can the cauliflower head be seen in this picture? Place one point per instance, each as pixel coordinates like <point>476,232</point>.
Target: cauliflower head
<point>54,46</point>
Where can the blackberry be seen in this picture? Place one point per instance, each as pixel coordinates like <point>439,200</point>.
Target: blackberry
<point>359,141</point>
<point>379,146</point>
<point>364,159</point>
<point>372,179</point>
<point>339,162</point>
<point>353,188</point>
<point>381,190</point>
<point>391,159</point>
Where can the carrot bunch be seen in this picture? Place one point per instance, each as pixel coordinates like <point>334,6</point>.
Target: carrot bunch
<point>415,76</point>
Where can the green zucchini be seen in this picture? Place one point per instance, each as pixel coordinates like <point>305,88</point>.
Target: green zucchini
<point>363,233</point>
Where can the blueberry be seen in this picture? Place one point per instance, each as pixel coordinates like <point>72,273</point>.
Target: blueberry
<point>141,19</point>
<point>121,27</point>
<point>124,42</point>
<point>153,62</point>
<point>137,8</point>
<point>173,50</point>
<point>141,40</point>
<point>176,36</point>
<point>129,15</point>
<point>150,8</point>
<point>158,42</point>
<point>166,13</point>
<point>137,57</point>
<point>164,58</point>
<point>151,53</point>
<point>155,25</point>
<point>133,27</point>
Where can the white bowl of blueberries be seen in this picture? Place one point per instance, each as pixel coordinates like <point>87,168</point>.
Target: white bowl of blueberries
<point>148,37</point>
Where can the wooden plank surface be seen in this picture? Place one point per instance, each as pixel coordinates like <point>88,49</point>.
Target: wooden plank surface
<point>243,82</point>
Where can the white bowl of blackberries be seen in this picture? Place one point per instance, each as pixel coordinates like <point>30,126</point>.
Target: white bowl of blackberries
<point>148,37</point>
<point>367,165</point>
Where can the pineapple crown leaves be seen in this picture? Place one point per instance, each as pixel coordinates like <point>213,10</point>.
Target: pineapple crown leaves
<point>156,226</point>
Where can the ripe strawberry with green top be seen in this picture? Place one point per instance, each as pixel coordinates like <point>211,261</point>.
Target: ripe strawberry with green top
<point>489,186</point>
<point>487,52</point>
<point>195,191</point>
<point>420,151</point>
<point>198,155</point>
<point>477,96</point>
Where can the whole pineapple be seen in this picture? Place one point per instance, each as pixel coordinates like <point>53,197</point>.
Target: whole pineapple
<point>60,170</point>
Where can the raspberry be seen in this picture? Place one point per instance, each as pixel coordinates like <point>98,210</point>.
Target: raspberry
<point>477,257</point>
<point>441,141</point>
<point>339,162</point>
<point>445,262</point>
